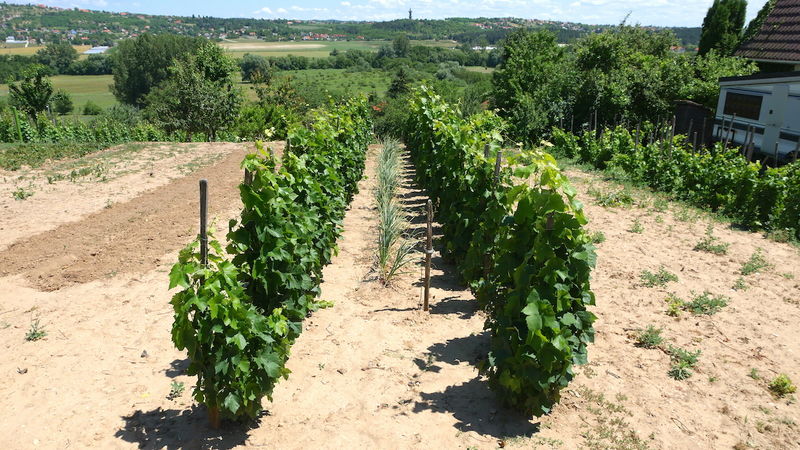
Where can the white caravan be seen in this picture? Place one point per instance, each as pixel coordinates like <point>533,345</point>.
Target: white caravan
<point>768,104</point>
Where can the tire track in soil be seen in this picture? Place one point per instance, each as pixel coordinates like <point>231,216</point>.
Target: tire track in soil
<point>127,237</point>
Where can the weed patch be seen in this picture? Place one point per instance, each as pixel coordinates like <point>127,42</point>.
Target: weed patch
<point>755,264</point>
<point>660,278</point>
<point>712,244</point>
<point>650,337</point>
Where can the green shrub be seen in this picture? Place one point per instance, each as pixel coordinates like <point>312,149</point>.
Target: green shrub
<point>782,386</point>
<point>92,109</point>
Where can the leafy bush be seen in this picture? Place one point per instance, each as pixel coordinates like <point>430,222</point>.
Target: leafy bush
<point>717,178</point>
<point>523,248</point>
<point>92,109</point>
<point>62,103</point>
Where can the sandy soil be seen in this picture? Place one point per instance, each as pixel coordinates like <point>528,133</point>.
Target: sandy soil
<point>374,371</point>
<point>97,181</point>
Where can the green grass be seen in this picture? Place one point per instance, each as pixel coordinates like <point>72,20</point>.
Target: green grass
<point>82,88</point>
<point>342,82</point>
<point>15,155</point>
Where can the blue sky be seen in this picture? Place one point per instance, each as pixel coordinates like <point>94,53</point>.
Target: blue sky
<point>645,12</point>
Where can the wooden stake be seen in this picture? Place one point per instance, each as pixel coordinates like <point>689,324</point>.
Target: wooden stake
<point>16,122</point>
<point>428,254</point>
<point>497,164</point>
<point>703,133</point>
<point>775,155</point>
<point>203,222</point>
<point>213,417</point>
<point>486,151</point>
<point>672,130</point>
<point>694,143</point>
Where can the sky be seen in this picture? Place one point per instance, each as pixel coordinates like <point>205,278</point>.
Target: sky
<point>644,12</point>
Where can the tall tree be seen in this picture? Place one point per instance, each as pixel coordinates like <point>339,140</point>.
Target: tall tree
<point>722,26</point>
<point>532,84</point>
<point>57,56</point>
<point>32,94</point>
<point>199,95</point>
<point>399,85</point>
<point>256,68</point>
<point>755,25</point>
<point>141,64</point>
<point>401,45</point>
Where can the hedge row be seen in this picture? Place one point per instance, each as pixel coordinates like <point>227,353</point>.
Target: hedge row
<point>716,178</point>
<point>521,247</point>
<point>238,318</point>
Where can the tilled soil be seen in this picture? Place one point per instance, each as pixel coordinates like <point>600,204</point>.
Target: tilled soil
<point>127,237</point>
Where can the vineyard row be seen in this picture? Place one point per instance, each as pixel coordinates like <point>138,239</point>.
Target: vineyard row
<point>238,316</point>
<point>517,234</point>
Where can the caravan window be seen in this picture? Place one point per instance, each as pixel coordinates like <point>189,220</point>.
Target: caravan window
<point>743,105</point>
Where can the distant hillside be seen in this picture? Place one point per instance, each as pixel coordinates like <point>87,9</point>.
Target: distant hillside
<point>82,26</point>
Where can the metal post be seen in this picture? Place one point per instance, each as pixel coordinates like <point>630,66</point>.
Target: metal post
<point>428,254</point>
<point>796,149</point>
<point>203,222</point>
<point>486,151</point>
<point>694,143</point>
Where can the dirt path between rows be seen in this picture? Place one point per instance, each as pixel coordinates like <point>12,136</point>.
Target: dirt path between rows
<point>127,237</point>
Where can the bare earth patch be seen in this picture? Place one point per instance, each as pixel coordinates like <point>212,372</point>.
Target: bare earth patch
<point>92,183</point>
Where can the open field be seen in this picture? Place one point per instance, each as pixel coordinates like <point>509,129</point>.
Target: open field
<point>88,256</point>
<point>313,49</point>
<point>6,49</point>
<point>82,88</point>
<point>343,81</point>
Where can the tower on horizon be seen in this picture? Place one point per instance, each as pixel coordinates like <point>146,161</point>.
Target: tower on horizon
<point>409,14</point>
